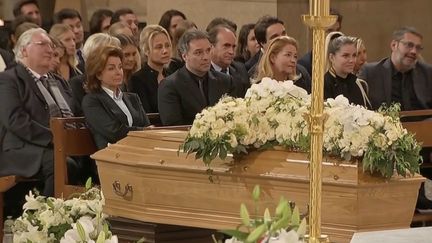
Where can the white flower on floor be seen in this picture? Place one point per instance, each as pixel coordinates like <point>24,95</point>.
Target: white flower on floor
<point>56,220</point>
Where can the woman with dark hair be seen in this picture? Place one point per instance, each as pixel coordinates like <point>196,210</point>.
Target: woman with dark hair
<point>131,57</point>
<point>339,79</point>
<point>247,45</point>
<point>109,112</point>
<point>100,21</point>
<point>170,20</point>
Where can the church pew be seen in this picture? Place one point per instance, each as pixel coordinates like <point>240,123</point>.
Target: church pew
<point>419,122</point>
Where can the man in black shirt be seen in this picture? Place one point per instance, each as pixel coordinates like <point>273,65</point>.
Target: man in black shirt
<point>193,87</point>
<point>401,77</point>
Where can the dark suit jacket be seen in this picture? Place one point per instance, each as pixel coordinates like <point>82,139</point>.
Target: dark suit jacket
<point>76,83</point>
<point>107,121</point>
<point>306,62</point>
<point>378,76</point>
<point>240,78</point>
<point>145,84</point>
<point>24,123</point>
<point>180,98</point>
<point>253,61</point>
<point>8,58</point>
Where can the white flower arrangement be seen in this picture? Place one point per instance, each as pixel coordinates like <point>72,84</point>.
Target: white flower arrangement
<point>272,113</point>
<point>51,219</point>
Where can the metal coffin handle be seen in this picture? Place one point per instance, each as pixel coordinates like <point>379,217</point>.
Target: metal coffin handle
<point>126,194</point>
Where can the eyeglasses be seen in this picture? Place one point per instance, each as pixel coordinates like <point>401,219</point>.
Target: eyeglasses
<point>43,44</point>
<point>410,45</point>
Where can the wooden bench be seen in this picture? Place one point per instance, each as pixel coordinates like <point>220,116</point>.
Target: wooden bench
<point>71,137</point>
<point>419,122</point>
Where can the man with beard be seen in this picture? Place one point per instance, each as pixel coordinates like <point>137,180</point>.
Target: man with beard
<point>193,87</point>
<point>402,77</point>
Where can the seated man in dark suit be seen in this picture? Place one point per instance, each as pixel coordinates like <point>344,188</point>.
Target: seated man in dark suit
<point>193,87</point>
<point>222,56</point>
<point>401,77</point>
<point>28,99</point>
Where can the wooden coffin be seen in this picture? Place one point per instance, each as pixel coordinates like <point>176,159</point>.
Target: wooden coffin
<point>144,177</point>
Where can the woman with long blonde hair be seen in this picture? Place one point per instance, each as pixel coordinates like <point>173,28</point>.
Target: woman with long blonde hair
<point>68,63</point>
<point>279,62</point>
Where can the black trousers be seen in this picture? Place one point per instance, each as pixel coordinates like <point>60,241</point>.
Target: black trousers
<point>48,172</point>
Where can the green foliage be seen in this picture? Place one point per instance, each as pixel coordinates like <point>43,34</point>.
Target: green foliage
<point>404,158</point>
<point>252,230</point>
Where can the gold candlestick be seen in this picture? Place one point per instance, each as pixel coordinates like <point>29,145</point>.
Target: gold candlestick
<point>318,19</point>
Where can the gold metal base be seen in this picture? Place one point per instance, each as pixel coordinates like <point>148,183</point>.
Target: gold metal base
<point>321,239</point>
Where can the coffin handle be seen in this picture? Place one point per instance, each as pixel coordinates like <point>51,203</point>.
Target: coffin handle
<point>118,190</point>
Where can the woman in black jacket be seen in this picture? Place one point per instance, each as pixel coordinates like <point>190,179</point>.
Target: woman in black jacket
<point>155,46</point>
<point>339,79</point>
<point>110,113</point>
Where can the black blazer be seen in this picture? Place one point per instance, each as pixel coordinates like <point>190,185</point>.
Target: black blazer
<point>145,84</point>
<point>107,121</point>
<point>335,85</point>
<point>240,78</point>
<point>180,98</point>
<point>8,58</point>
<point>378,76</point>
<point>24,123</point>
<point>306,62</point>
<point>77,86</point>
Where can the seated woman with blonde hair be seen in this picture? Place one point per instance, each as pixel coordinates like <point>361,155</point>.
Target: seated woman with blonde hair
<point>279,62</point>
<point>339,79</point>
<point>109,112</point>
<point>68,62</point>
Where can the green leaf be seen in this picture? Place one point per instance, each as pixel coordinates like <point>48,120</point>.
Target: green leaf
<point>281,207</point>
<point>239,235</point>
<point>256,193</point>
<point>101,237</point>
<point>50,203</point>
<point>81,231</point>
<point>256,233</point>
<point>267,216</point>
<point>223,152</point>
<point>301,231</point>
<point>244,215</point>
<point>295,218</point>
<point>280,224</point>
<point>88,184</point>
<point>142,240</point>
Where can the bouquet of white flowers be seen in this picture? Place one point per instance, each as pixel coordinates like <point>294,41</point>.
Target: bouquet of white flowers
<point>51,219</point>
<point>272,113</point>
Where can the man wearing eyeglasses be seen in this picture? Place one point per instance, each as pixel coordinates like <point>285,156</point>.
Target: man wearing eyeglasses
<point>28,99</point>
<point>402,77</point>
